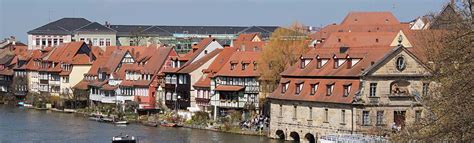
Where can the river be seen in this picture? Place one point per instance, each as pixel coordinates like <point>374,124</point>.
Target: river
<point>18,125</point>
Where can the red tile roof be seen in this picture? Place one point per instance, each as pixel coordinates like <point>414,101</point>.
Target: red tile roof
<point>239,57</point>
<point>216,65</point>
<point>366,54</point>
<point>321,93</point>
<point>370,18</point>
<point>359,39</point>
<point>247,36</point>
<point>195,65</point>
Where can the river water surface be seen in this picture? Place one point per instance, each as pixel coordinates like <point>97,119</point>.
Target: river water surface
<point>19,125</point>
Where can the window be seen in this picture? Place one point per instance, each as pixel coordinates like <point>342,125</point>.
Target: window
<point>425,89</point>
<point>347,89</point>
<point>37,41</point>
<point>43,42</point>
<point>326,115</point>
<point>60,40</point>
<point>107,42</point>
<point>255,66</point>
<point>101,42</point>
<point>310,113</point>
<point>329,89</point>
<point>417,115</point>
<point>401,63</point>
<point>294,112</point>
<point>365,118</point>
<point>373,89</point>
<point>232,66</point>
<point>343,116</point>
<point>299,86</point>
<point>281,110</point>
<point>320,63</point>
<point>302,63</point>
<point>81,39</point>
<point>95,42</point>
<point>379,117</point>
<point>244,66</point>
<point>336,63</point>
<point>65,79</point>
<point>284,87</point>
<point>314,88</point>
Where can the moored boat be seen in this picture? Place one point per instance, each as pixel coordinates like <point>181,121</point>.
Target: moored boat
<point>124,139</point>
<point>170,125</point>
<point>121,122</point>
<point>150,124</point>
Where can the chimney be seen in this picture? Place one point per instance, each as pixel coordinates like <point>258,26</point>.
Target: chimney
<point>90,44</point>
<point>210,36</point>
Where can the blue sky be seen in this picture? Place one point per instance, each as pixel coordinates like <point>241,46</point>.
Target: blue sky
<point>19,16</point>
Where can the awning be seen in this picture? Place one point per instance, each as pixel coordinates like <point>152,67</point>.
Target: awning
<point>229,88</point>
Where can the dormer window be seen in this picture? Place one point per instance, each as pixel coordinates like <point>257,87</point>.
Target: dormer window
<point>336,63</point>
<point>244,66</point>
<point>319,64</point>
<point>349,63</point>
<point>347,89</point>
<point>255,66</point>
<point>299,87</point>
<point>232,66</point>
<point>302,63</point>
<point>284,87</point>
<point>314,88</point>
<point>329,89</point>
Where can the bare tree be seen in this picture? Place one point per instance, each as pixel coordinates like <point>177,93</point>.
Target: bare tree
<point>449,105</point>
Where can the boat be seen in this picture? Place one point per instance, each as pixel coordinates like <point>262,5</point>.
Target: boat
<point>106,119</point>
<point>170,125</point>
<point>121,122</point>
<point>150,124</point>
<point>124,139</point>
<point>95,119</point>
<point>21,103</point>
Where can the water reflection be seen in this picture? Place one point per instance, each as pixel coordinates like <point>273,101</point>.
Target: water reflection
<point>32,126</point>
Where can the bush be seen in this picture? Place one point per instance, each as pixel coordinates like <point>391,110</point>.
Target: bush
<point>235,116</point>
<point>200,118</point>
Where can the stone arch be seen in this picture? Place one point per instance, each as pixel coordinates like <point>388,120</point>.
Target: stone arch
<point>295,136</point>
<point>280,134</point>
<point>310,138</point>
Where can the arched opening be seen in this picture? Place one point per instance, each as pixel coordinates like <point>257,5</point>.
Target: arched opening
<point>295,136</point>
<point>280,134</point>
<point>310,138</point>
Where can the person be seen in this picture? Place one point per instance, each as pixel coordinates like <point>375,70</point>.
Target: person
<point>394,127</point>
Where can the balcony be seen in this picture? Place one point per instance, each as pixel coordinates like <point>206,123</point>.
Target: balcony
<point>400,96</point>
<point>202,101</point>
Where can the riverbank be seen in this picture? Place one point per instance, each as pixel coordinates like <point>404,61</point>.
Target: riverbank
<point>144,124</point>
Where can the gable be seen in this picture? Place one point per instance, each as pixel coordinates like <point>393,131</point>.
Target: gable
<point>208,49</point>
<point>256,39</point>
<point>128,58</point>
<point>388,66</point>
<point>404,40</point>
